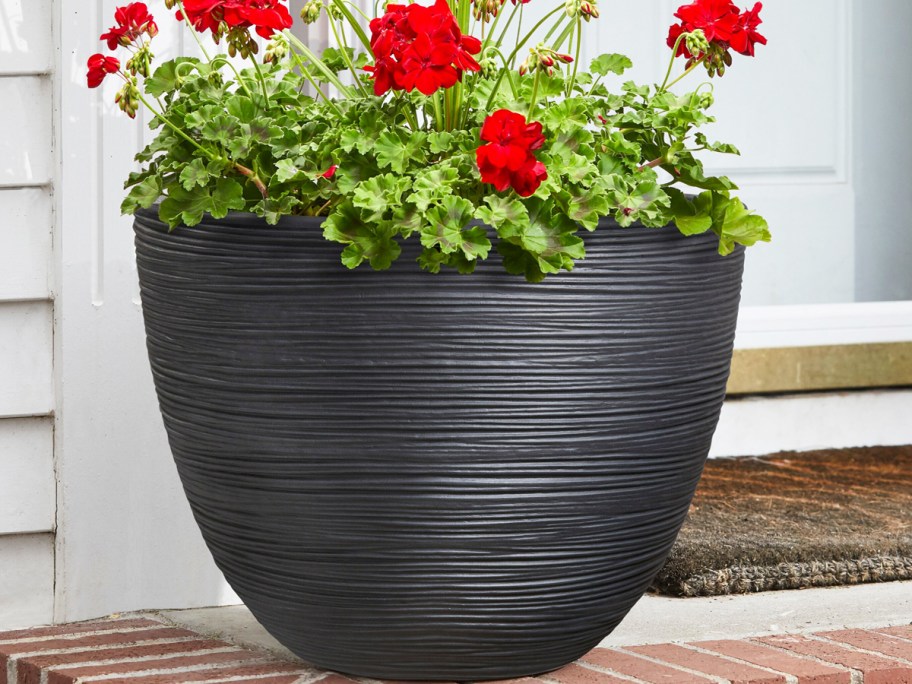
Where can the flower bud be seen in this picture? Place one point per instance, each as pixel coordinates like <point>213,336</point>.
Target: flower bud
<point>127,98</point>
<point>311,11</point>
<point>276,49</point>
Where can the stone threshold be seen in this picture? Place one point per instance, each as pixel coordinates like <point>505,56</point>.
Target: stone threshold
<point>148,650</point>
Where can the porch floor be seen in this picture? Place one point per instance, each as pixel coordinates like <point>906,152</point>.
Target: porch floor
<point>840,635</point>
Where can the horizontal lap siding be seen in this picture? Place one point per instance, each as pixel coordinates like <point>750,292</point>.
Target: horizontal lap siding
<point>27,174</point>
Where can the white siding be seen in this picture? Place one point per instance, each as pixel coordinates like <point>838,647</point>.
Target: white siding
<point>26,580</point>
<point>27,175</point>
<point>26,367</point>
<point>28,494</point>
<point>26,42</point>
<point>26,156</point>
<point>26,227</point>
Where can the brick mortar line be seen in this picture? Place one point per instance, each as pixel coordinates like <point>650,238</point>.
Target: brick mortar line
<point>789,678</point>
<point>241,678</point>
<point>613,673</point>
<point>163,641</point>
<point>12,664</point>
<point>78,635</point>
<point>905,640</point>
<point>202,667</point>
<point>143,659</point>
<point>855,676</point>
<point>659,661</point>
<point>853,647</point>
<point>595,668</point>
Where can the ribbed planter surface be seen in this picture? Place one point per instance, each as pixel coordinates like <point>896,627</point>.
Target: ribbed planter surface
<point>444,477</point>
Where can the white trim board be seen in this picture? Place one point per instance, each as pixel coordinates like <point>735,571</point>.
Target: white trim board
<point>755,426</point>
<point>762,327</point>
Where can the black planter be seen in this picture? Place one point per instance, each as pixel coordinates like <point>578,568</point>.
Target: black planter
<point>436,477</point>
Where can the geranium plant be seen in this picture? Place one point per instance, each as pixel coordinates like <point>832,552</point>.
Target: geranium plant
<point>450,123</point>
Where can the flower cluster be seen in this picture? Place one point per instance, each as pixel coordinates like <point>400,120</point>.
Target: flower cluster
<point>235,18</point>
<point>723,26</point>
<point>133,21</point>
<point>420,47</point>
<point>507,160</point>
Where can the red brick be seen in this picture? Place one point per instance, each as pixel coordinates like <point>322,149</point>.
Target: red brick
<point>236,657</point>
<point>201,675</point>
<point>108,639</point>
<point>902,631</point>
<point>576,674</point>
<point>58,660</point>
<point>876,669</point>
<point>871,641</point>
<point>806,670</point>
<point>634,666</point>
<point>287,679</point>
<point>77,628</point>
<point>708,664</point>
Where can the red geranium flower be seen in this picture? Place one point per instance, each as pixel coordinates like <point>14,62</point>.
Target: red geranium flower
<point>99,67</point>
<point>419,47</point>
<point>507,160</point>
<point>745,35</point>
<point>723,25</point>
<point>427,66</point>
<point>132,21</point>
<point>266,16</point>
<point>717,18</point>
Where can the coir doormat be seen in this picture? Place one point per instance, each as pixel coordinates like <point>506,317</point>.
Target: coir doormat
<point>795,520</point>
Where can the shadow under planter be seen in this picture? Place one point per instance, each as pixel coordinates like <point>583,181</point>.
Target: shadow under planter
<point>410,476</point>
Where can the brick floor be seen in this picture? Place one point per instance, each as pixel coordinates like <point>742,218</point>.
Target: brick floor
<point>146,651</point>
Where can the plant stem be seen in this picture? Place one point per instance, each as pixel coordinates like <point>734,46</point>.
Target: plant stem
<point>687,71</point>
<point>356,27</point>
<point>260,78</point>
<point>202,47</point>
<point>534,98</point>
<point>158,115</point>
<point>652,164</point>
<point>220,60</point>
<point>306,74</point>
<point>326,72</point>
<point>576,55</point>
<point>340,39</point>
<point>674,56</point>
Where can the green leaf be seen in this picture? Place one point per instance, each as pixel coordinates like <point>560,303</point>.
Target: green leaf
<point>691,218</point>
<point>221,129</point>
<point>440,141</point>
<point>397,150</point>
<point>378,195</point>
<point>474,243</point>
<point>184,206</point>
<point>286,170</point>
<point>445,224</point>
<point>432,259</point>
<point>195,173</point>
<point>518,261</point>
<point>227,195</point>
<point>740,226</point>
<point>432,185</point>
<point>352,256</point>
<point>165,78</point>
<point>586,208</point>
<point>242,108</point>
<point>723,148</point>
<point>144,194</point>
<point>507,215</point>
<point>355,139</point>
<point>616,64</point>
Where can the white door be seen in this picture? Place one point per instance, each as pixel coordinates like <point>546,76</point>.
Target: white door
<point>819,117</point>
